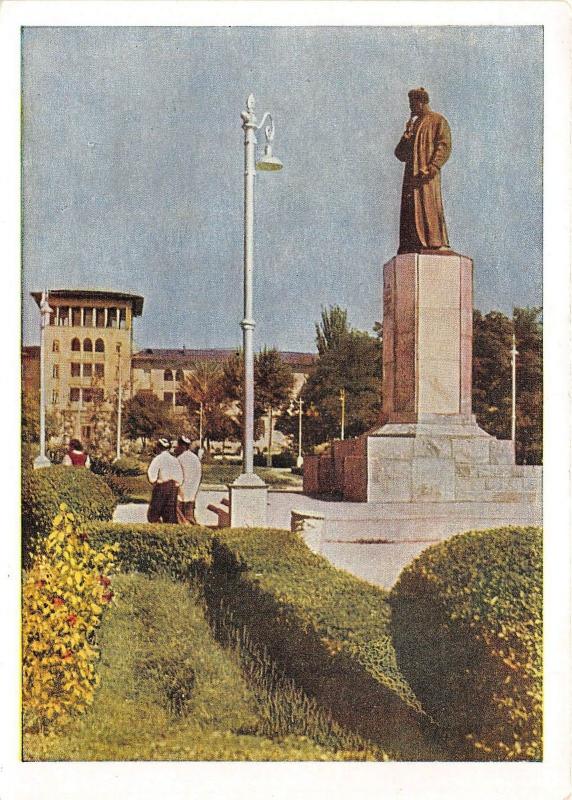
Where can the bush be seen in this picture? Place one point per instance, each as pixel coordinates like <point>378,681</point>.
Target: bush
<point>44,489</point>
<point>279,460</point>
<point>176,551</point>
<point>123,467</point>
<point>467,625</point>
<point>64,596</point>
<point>323,628</point>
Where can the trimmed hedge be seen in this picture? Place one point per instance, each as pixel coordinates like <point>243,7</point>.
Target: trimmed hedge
<point>175,551</point>
<point>43,490</point>
<point>467,626</point>
<point>322,627</point>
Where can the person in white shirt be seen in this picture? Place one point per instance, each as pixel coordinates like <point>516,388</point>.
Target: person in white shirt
<point>76,457</point>
<point>192,472</point>
<point>166,475</point>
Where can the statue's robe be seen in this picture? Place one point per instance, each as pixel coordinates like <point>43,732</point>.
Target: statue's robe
<point>422,223</point>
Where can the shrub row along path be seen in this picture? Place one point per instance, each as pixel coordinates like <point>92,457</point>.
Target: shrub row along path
<point>353,539</point>
<point>169,691</point>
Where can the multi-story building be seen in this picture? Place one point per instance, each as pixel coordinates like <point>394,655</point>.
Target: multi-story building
<point>89,350</point>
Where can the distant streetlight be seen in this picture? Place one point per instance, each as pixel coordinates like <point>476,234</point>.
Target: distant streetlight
<point>268,163</point>
<point>119,403</point>
<point>343,402</point>
<point>513,353</point>
<point>42,460</point>
<point>299,460</point>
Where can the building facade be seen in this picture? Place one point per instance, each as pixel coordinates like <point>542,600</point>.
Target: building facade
<point>89,353</point>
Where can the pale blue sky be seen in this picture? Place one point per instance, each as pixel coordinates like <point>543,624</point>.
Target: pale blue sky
<point>133,169</point>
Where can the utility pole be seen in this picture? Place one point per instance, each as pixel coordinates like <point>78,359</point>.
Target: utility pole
<point>299,460</point>
<point>343,402</point>
<point>513,353</point>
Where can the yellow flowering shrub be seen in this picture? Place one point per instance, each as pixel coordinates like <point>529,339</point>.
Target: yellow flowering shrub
<point>65,593</point>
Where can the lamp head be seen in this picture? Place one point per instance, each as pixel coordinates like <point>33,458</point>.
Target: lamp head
<point>268,162</point>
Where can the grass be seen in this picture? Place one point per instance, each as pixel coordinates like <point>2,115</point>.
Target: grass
<point>137,489</point>
<point>170,691</point>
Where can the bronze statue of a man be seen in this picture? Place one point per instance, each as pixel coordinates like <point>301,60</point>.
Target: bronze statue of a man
<point>424,147</point>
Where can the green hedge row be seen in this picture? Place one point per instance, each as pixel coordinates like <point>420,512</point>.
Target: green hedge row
<point>175,551</point>
<point>325,629</point>
<point>43,490</point>
<point>467,628</point>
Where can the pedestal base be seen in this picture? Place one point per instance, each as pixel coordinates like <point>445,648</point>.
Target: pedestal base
<point>248,502</point>
<point>41,462</point>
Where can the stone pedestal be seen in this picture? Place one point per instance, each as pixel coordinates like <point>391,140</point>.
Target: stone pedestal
<point>427,336</point>
<point>248,502</point>
<point>429,448</point>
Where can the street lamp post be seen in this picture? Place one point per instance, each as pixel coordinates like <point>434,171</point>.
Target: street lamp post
<point>299,460</point>
<point>513,353</point>
<point>119,404</point>
<point>343,421</point>
<point>42,460</point>
<point>248,508</point>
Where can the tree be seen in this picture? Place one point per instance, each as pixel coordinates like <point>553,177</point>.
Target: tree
<point>273,384</point>
<point>203,392</point>
<point>332,328</point>
<point>492,378</point>
<point>348,360</point>
<point>146,416</point>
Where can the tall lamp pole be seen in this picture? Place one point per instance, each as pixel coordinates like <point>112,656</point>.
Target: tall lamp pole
<point>299,460</point>
<point>268,163</point>
<point>513,353</point>
<point>119,404</point>
<point>343,421</point>
<point>42,460</point>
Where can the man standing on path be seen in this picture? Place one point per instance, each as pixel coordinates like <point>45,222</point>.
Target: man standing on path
<point>166,475</point>
<point>192,472</point>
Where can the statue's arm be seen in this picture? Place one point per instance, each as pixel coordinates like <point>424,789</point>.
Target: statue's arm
<point>442,149</point>
<point>403,148</point>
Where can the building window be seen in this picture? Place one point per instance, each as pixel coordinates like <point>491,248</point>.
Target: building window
<point>179,375</point>
<point>167,375</point>
<point>63,316</point>
<point>87,370</point>
<point>122,318</point>
<point>88,317</point>
<point>55,346</point>
<point>55,397</point>
<point>74,395</point>
<point>99,317</point>
<point>179,399</point>
<point>86,432</point>
<point>76,317</point>
<point>168,397</point>
<point>88,396</point>
<point>99,370</point>
<point>111,317</point>
<point>56,371</point>
<point>99,346</point>
<point>75,345</point>
<point>75,370</point>
<point>87,346</point>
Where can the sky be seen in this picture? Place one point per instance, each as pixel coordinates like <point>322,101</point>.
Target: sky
<point>133,169</point>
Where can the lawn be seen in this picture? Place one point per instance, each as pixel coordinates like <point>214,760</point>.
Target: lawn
<point>170,691</point>
<point>137,489</point>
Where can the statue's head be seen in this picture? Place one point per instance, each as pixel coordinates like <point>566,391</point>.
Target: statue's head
<point>418,99</point>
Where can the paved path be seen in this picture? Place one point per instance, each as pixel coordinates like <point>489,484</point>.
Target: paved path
<point>371,540</point>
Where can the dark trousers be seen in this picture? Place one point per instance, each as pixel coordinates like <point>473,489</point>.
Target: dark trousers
<point>163,506</point>
<point>186,512</point>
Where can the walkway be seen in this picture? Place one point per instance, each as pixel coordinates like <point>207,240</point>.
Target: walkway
<point>371,540</point>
